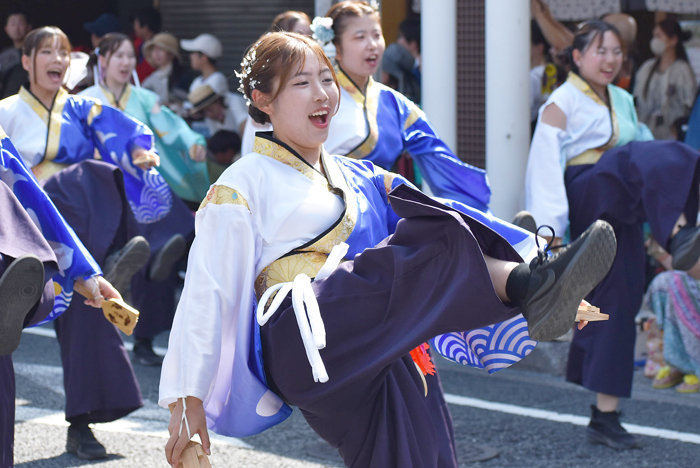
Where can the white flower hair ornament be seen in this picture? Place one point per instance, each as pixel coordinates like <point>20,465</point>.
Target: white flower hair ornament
<point>246,66</point>
<point>322,28</point>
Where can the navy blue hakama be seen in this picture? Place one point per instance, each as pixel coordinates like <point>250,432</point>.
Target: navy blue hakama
<point>639,182</point>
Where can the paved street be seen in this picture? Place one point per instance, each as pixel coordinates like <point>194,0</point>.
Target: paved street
<point>531,419</point>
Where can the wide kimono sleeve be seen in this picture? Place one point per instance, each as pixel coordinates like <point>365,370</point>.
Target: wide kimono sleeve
<point>545,191</point>
<point>447,176</point>
<point>74,260</point>
<point>172,128</point>
<point>115,136</point>
<point>212,349</point>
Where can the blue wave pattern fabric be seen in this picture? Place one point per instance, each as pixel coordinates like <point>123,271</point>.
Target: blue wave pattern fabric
<point>74,261</point>
<point>492,348</point>
<point>77,127</point>
<point>394,125</point>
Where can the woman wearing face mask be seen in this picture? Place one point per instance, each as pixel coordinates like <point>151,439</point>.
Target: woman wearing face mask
<point>57,135</point>
<point>288,211</point>
<point>665,86</point>
<point>182,153</point>
<point>377,123</point>
<point>584,165</point>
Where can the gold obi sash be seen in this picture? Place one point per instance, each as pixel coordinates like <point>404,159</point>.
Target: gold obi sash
<point>311,256</point>
<point>593,155</point>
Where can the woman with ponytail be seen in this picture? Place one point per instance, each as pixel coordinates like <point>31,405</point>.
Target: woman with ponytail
<point>665,85</point>
<point>588,160</point>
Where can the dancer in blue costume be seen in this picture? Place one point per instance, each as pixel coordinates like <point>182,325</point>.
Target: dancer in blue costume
<point>590,159</point>
<point>182,152</point>
<point>33,232</point>
<point>377,123</point>
<point>412,269</point>
<point>57,136</point>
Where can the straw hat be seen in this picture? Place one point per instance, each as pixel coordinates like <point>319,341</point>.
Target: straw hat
<point>165,41</point>
<point>201,97</point>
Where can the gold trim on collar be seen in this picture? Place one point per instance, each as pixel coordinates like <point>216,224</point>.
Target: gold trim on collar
<point>279,153</point>
<point>581,84</point>
<point>54,137</point>
<point>111,98</point>
<point>35,104</point>
<point>591,156</point>
<point>370,105</point>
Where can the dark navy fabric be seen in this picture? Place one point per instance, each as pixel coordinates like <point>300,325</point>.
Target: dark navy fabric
<point>638,182</point>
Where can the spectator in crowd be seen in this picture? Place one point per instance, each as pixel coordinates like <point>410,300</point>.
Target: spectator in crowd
<point>225,149</point>
<point>539,49</point>
<point>590,160</point>
<point>205,50</point>
<point>146,24</point>
<point>401,61</point>
<point>292,21</point>
<point>222,111</point>
<point>163,53</point>
<point>674,296</point>
<point>104,24</point>
<point>665,85</point>
<point>12,75</point>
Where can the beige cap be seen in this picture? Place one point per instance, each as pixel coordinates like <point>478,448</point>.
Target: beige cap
<point>165,41</point>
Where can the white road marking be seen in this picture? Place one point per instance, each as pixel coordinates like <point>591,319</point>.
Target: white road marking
<point>118,426</point>
<point>128,425</point>
<point>50,333</point>
<point>567,418</point>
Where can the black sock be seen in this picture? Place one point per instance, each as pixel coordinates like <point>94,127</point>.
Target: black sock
<point>518,282</point>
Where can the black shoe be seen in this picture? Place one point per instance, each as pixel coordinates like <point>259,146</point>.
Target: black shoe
<point>605,429</point>
<point>166,257</point>
<point>82,443</point>
<point>144,354</point>
<point>21,286</point>
<point>525,220</point>
<point>685,248</point>
<point>125,262</point>
<point>559,283</point>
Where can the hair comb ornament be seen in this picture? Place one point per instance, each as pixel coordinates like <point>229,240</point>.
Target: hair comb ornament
<point>246,67</point>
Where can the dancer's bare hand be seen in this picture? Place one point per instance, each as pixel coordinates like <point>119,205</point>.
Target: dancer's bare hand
<point>99,289</point>
<point>198,153</point>
<point>583,323</point>
<point>145,159</point>
<point>198,425</point>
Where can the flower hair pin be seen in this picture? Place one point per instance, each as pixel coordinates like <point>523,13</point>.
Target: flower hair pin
<point>322,28</point>
<point>246,67</point>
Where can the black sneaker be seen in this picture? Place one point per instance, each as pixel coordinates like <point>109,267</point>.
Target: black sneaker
<point>559,283</point>
<point>166,257</point>
<point>21,286</point>
<point>605,429</point>
<point>525,220</point>
<point>125,262</point>
<point>685,248</point>
<point>144,354</point>
<point>82,443</point>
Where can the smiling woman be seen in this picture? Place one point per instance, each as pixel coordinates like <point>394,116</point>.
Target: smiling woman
<point>359,372</point>
<point>57,136</point>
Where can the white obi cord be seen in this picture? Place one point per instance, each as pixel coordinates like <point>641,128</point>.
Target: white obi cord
<point>313,332</point>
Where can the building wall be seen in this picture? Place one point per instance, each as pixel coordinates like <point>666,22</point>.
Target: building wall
<point>237,23</point>
<point>471,82</point>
